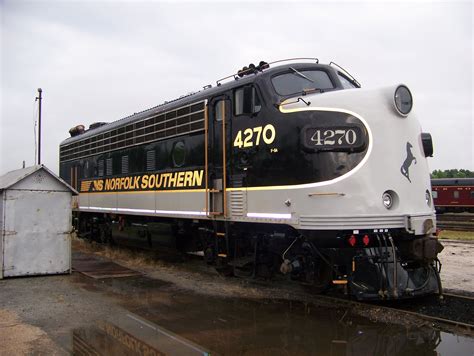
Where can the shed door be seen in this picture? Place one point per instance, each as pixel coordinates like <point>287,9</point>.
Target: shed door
<point>36,238</point>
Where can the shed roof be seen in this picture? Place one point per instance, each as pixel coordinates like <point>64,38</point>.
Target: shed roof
<point>11,178</point>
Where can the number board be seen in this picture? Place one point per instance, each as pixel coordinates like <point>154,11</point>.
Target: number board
<point>349,138</point>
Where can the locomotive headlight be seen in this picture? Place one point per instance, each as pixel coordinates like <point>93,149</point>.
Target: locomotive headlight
<point>428,197</point>
<point>387,200</point>
<point>403,100</point>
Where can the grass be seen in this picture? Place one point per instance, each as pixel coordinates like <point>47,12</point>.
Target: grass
<point>135,258</point>
<point>457,235</point>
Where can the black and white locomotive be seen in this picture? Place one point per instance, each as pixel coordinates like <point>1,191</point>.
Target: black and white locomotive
<point>282,168</point>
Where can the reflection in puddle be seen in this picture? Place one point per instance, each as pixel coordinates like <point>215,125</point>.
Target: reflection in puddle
<point>166,320</point>
<point>130,334</point>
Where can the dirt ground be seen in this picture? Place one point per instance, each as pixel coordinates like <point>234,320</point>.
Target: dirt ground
<point>19,338</point>
<point>457,272</point>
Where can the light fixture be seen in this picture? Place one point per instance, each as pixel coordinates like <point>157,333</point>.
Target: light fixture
<point>428,197</point>
<point>403,100</point>
<point>387,200</point>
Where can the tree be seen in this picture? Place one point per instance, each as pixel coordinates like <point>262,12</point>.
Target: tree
<point>452,173</point>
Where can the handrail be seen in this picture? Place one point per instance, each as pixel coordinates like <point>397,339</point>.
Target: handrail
<point>224,166</point>
<point>206,147</point>
<point>346,73</point>
<point>236,75</point>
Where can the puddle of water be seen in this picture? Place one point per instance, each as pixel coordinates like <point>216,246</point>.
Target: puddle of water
<point>129,334</point>
<point>170,321</point>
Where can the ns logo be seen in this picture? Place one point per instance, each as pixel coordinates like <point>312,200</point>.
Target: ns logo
<point>98,185</point>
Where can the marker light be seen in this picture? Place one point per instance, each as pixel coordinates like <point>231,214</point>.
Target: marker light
<point>428,197</point>
<point>403,100</point>
<point>366,240</point>
<point>352,240</point>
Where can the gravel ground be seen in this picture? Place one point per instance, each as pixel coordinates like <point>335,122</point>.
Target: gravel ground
<point>38,314</point>
<point>457,273</point>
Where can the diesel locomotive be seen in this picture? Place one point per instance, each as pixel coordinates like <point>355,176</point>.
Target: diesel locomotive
<point>284,168</point>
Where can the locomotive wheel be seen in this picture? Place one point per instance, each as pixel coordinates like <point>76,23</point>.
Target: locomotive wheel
<point>223,268</point>
<point>102,238</point>
<point>209,255</point>
<point>84,230</point>
<point>319,279</point>
<point>105,235</point>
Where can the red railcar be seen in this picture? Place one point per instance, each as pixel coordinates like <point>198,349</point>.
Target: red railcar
<point>453,194</point>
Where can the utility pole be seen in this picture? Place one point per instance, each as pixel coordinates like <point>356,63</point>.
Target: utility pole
<point>39,125</point>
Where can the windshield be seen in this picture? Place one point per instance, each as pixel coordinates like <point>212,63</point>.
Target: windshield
<point>346,84</point>
<point>296,82</point>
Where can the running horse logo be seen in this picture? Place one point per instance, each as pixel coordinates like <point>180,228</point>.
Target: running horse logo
<point>407,163</point>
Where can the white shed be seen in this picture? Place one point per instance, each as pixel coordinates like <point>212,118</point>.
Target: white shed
<point>35,223</point>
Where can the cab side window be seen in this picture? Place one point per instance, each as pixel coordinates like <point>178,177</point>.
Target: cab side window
<point>246,101</point>
<point>219,109</point>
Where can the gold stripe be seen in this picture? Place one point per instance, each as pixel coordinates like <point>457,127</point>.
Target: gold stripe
<point>151,191</point>
<point>326,194</point>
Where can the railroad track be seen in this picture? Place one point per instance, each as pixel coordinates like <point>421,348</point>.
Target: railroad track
<point>456,222</point>
<point>455,217</point>
<point>455,226</point>
<point>450,313</point>
<point>454,310</point>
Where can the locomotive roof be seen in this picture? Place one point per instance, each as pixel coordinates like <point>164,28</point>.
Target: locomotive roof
<point>452,181</point>
<point>188,99</point>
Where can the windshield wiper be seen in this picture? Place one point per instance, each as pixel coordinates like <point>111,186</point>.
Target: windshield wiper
<point>301,74</point>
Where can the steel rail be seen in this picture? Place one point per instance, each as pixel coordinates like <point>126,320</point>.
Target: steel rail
<point>468,328</point>
<point>458,296</point>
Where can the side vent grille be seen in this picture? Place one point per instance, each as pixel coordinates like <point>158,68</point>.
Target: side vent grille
<point>124,164</point>
<point>238,203</point>
<point>101,168</point>
<point>150,160</point>
<point>108,164</point>
<point>187,119</point>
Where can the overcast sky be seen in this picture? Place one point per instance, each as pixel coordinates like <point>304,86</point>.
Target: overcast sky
<point>102,60</point>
